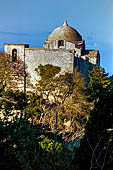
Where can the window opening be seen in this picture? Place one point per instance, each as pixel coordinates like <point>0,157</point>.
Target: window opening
<point>14,55</point>
<point>60,43</point>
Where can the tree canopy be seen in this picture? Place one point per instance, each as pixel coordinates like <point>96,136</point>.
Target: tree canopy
<point>61,103</point>
<point>64,94</point>
<point>99,82</point>
<point>95,151</point>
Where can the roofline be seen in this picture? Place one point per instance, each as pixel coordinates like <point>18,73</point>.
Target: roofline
<point>14,44</point>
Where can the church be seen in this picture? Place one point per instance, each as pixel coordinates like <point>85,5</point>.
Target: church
<point>64,47</point>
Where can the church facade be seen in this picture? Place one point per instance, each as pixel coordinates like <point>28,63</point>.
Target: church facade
<point>64,47</point>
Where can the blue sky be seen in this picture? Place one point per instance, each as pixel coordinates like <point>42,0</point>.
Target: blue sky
<point>30,21</point>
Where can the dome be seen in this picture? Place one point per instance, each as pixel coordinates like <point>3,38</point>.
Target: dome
<point>65,32</point>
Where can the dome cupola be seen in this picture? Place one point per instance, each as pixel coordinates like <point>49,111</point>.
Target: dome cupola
<point>65,32</point>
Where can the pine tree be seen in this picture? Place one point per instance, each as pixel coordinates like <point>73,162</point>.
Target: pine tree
<point>99,82</point>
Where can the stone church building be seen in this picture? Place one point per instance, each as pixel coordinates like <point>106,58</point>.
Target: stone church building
<point>64,47</point>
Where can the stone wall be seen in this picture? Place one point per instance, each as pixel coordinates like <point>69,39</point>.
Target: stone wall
<point>19,47</point>
<point>59,57</point>
<point>67,59</point>
<point>66,45</point>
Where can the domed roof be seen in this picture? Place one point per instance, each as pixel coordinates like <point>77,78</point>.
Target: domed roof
<point>65,32</point>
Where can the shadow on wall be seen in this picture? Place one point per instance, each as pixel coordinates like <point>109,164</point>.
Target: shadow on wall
<point>84,65</point>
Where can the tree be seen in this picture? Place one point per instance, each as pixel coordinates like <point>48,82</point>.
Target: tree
<point>27,146</point>
<point>21,143</point>
<point>4,70</point>
<point>99,82</point>
<point>12,74</point>
<point>95,151</point>
<point>33,108</point>
<point>64,94</point>
<point>48,80</point>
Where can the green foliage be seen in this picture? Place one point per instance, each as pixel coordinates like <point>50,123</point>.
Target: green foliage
<point>50,145</point>
<point>24,147</point>
<point>11,101</point>
<point>111,83</point>
<point>96,149</point>
<point>33,108</point>
<point>47,72</point>
<point>99,82</point>
<point>18,144</point>
<point>49,80</point>
<point>57,156</point>
<point>64,94</point>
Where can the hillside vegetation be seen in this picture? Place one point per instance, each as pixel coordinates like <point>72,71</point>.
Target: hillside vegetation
<point>39,131</point>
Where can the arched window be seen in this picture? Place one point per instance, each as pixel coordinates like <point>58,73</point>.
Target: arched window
<point>14,55</point>
<point>60,43</point>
